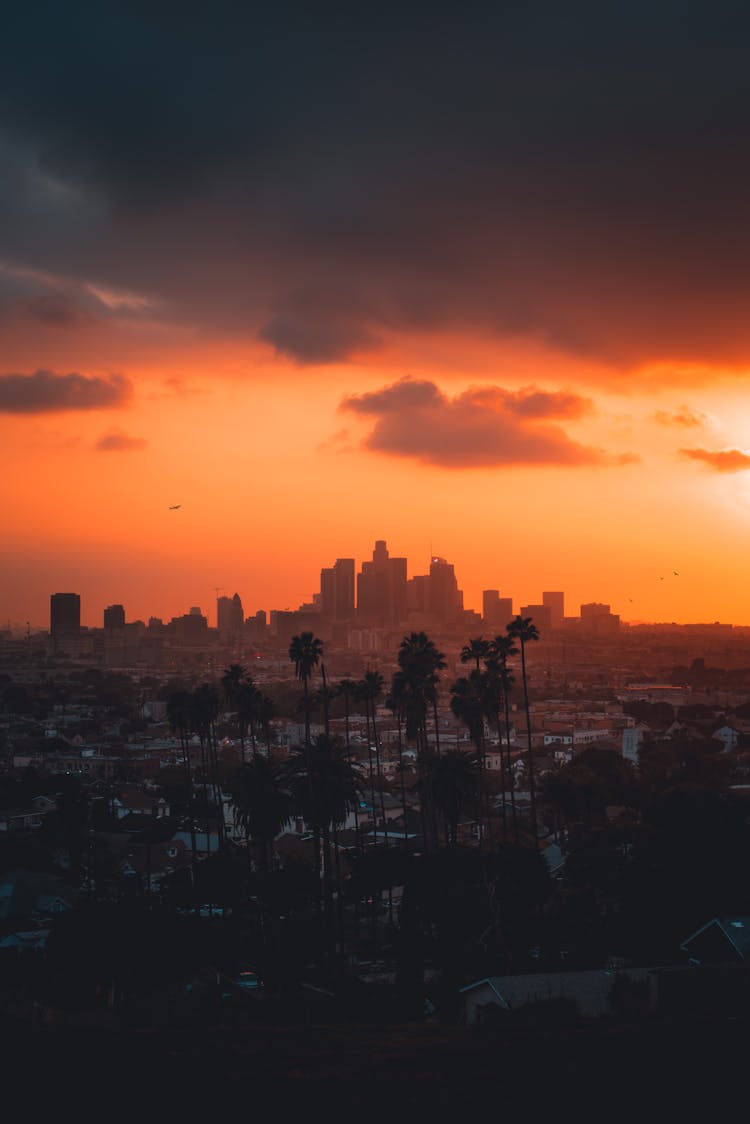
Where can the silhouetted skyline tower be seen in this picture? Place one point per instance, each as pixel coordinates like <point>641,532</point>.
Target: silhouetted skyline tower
<point>64,613</point>
<point>446,599</point>
<point>337,590</point>
<point>381,588</point>
<point>497,611</point>
<point>229,617</point>
<point>114,616</point>
<point>555,602</point>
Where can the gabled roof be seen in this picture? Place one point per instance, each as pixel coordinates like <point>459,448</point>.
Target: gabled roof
<point>735,930</point>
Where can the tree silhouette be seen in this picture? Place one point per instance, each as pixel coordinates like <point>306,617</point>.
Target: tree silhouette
<point>525,631</point>
<point>305,652</point>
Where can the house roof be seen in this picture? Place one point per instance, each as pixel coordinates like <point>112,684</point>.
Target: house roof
<point>736,930</point>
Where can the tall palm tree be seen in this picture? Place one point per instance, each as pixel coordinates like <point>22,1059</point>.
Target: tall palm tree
<point>262,804</point>
<point>448,783</point>
<point>525,631</point>
<point>264,710</point>
<point>396,701</point>
<point>501,649</point>
<point>233,680</point>
<point>347,690</point>
<point>305,652</point>
<point>371,691</point>
<point>180,718</point>
<point>469,703</point>
<point>475,651</point>
<point>325,785</point>
<point>205,713</point>
<point>420,661</point>
<point>247,699</point>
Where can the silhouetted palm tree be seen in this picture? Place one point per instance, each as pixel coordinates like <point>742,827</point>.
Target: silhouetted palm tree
<point>325,786</point>
<point>264,710</point>
<point>247,700</point>
<point>232,681</point>
<point>475,651</point>
<point>262,804</point>
<point>449,783</point>
<point>305,652</point>
<point>469,703</point>
<point>420,661</point>
<point>524,630</point>
<point>396,701</point>
<point>180,718</point>
<point>371,691</point>
<point>205,712</point>
<point>501,650</point>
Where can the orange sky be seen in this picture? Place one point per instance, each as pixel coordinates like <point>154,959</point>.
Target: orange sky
<point>275,481</point>
<point>476,285</point>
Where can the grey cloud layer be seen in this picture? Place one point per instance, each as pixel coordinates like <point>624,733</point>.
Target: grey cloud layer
<point>484,426</point>
<point>46,392</point>
<point>320,175</point>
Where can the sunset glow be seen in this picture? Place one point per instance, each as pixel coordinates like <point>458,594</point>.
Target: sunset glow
<point>526,348</point>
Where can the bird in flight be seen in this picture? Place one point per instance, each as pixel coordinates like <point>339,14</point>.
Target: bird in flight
<point>175,506</point>
<point>675,573</point>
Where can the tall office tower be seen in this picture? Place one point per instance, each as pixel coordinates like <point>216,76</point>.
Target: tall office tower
<point>229,617</point>
<point>64,613</point>
<point>446,599</point>
<point>381,588</point>
<point>490,598</point>
<point>555,602</point>
<point>337,590</point>
<point>114,616</point>
<point>541,617</point>
<point>497,611</point>
<point>597,619</point>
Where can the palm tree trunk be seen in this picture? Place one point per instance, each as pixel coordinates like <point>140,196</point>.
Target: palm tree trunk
<point>380,773</point>
<point>511,786</point>
<point>532,787</point>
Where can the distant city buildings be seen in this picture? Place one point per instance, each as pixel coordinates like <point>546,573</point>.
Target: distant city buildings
<point>358,610</point>
<point>114,616</point>
<point>64,618</point>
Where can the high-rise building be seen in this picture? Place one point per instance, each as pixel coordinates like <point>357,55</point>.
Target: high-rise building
<point>597,620</point>
<point>381,588</point>
<point>114,616</point>
<point>337,590</point>
<point>497,611</point>
<point>541,617</point>
<point>64,614</point>
<point>555,602</point>
<point>229,617</point>
<point>446,599</point>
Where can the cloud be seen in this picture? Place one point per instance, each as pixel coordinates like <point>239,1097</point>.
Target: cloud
<point>52,308</point>
<point>497,171</point>
<point>315,340</point>
<point>483,426</point>
<point>683,417</point>
<point>46,392</point>
<point>115,441</point>
<point>720,460</point>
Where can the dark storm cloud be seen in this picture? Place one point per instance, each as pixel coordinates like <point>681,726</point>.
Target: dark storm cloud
<point>719,460</point>
<point>575,173</point>
<point>484,426</point>
<point>115,441</point>
<point>46,392</point>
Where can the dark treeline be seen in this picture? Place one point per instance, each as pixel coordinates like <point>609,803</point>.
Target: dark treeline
<point>367,875</point>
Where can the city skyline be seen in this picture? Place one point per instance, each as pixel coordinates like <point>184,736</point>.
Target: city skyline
<point>347,592</point>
